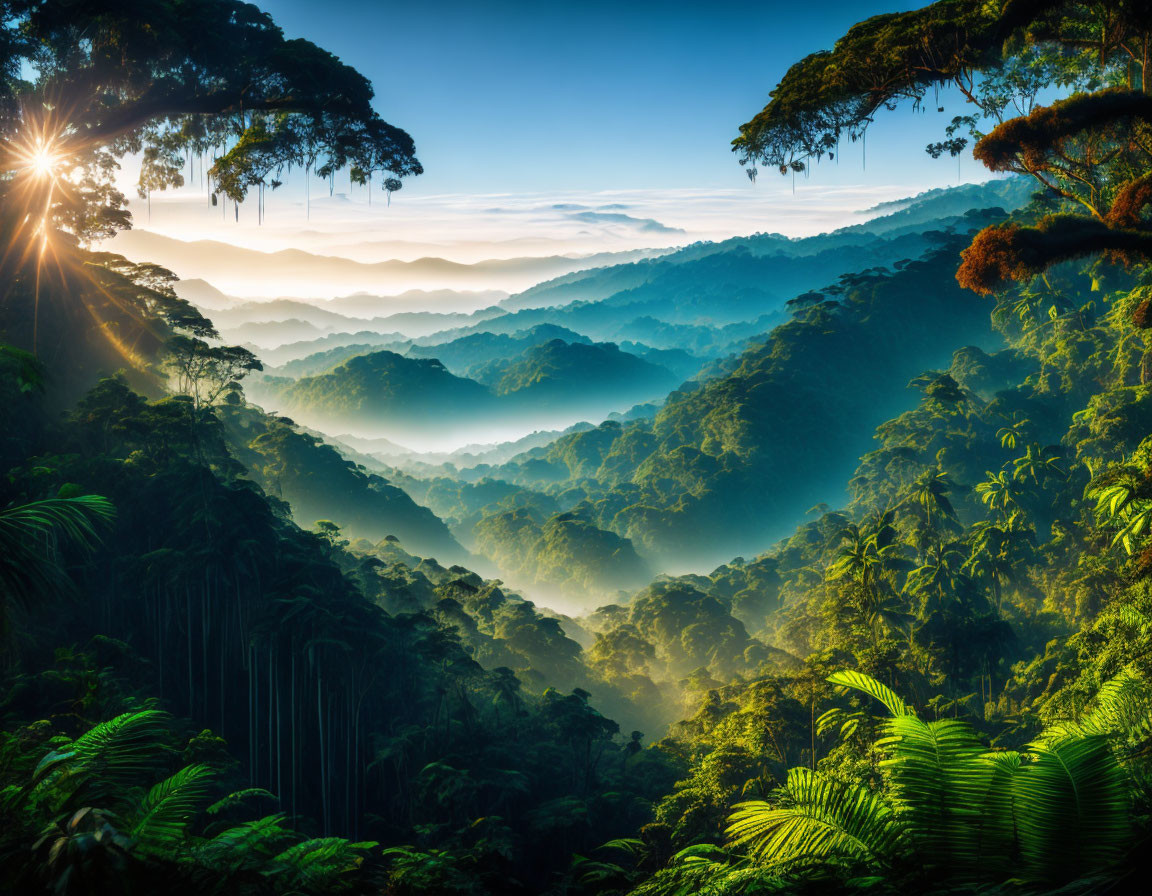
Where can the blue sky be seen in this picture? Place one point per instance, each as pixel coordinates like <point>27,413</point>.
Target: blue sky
<point>518,97</point>
<point>520,111</point>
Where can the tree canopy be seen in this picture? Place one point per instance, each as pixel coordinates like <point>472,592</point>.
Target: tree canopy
<point>172,81</point>
<point>1090,152</point>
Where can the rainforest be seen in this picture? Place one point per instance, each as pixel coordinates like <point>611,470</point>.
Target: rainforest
<point>568,489</point>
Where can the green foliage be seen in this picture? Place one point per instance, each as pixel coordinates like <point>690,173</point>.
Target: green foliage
<point>730,455</point>
<point>1061,807</point>
<point>1071,809</point>
<point>319,483</point>
<point>388,388</point>
<point>558,373</point>
<point>31,535</point>
<point>168,807</point>
<point>874,689</point>
<point>269,633</point>
<point>98,820</point>
<point>563,551</point>
<point>821,821</point>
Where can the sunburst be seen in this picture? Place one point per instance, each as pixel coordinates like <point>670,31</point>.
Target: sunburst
<point>45,162</point>
<point>37,154</point>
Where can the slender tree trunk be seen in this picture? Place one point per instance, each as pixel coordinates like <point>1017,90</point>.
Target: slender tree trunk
<point>251,715</point>
<point>279,754</point>
<point>204,624</point>
<point>323,766</point>
<point>271,707</point>
<point>223,652</point>
<point>292,727</point>
<point>188,645</point>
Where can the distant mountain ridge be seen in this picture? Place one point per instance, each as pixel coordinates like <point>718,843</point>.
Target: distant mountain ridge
<point>224,263</point>
<point>791,266</point>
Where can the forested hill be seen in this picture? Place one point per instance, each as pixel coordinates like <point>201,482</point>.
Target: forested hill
<point>731,461</point>
<point>731,464</point>
<point>385,393</point>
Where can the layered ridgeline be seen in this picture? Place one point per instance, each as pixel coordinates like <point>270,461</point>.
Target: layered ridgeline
<point>738,279</point>
<point>705,298</point>
<point>252,272</point>
<point>733,460</point>
<point>742,456</point>
<point>705,476</point>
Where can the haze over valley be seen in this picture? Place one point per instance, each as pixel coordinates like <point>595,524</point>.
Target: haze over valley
<point>559,377</point>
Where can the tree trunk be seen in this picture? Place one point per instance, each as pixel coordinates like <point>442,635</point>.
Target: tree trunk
<point>323,766</point>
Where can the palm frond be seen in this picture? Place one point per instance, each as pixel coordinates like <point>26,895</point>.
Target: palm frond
<point>28,533</point>
<point>821,820</point>
<point>939,784</point>
<point>169,806</point>
<point>867,685</point>
<point>1073,804</point>
<point>76,519</point>
<point>998,843</point>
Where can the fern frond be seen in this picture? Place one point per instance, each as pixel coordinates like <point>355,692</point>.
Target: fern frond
<point>109,759</point>
<point>238,798</point>
<point>1122,708</point>
<point>628,845</point>
<point>706,870</point>
<point>244,844</point>
<point>320,864</point>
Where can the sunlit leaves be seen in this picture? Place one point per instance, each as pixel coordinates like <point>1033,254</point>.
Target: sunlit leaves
<point>877,690</point>
<point>1046,816</point>
<point>213,81</point>
<point>821,820</point>
<point>1121,506</point>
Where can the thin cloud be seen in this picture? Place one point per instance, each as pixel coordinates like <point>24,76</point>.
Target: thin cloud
<point>470,229</point>
<point>644,225</point>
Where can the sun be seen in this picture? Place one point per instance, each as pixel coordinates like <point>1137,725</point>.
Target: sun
<point>37,156</point>
<point>44,162</point>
